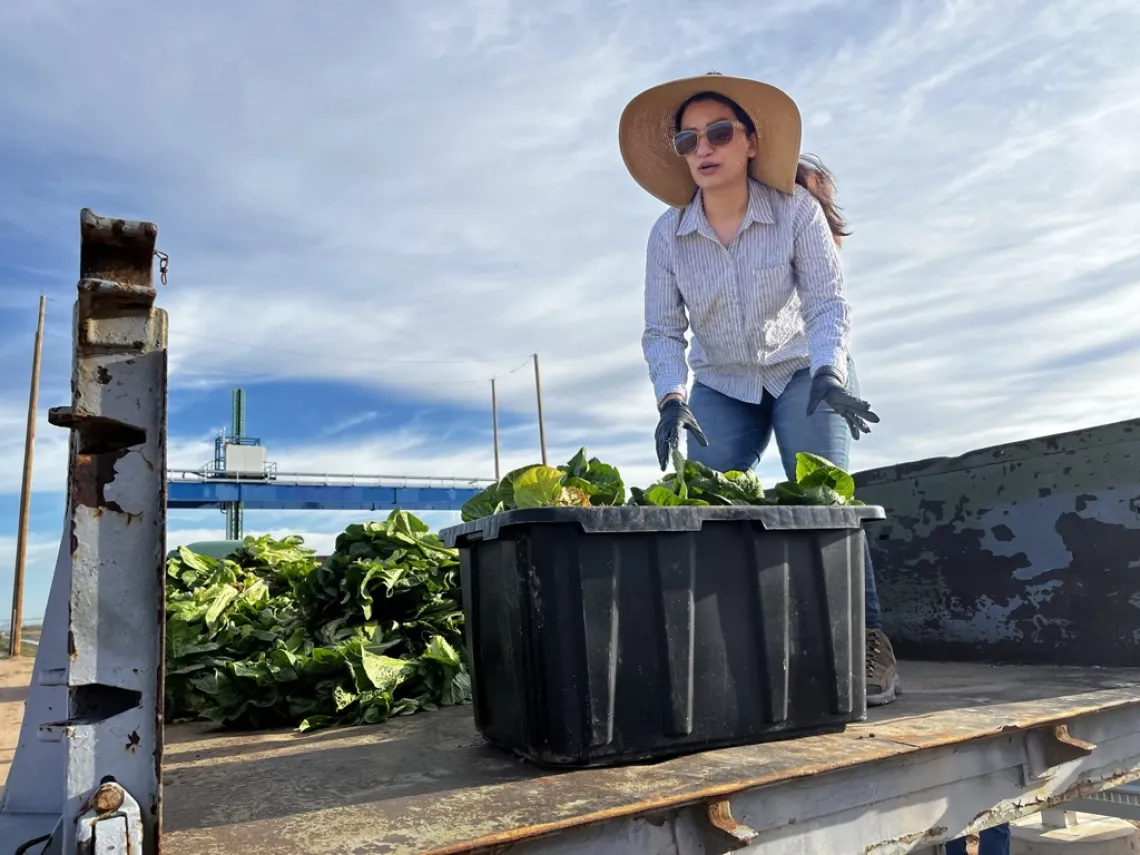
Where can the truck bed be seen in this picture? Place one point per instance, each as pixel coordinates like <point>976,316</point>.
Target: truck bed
<point>427,783</point>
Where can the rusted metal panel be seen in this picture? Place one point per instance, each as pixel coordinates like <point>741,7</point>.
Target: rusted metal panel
<point>94,711</point>
<point>428,784</point>
<point>1025,552</point>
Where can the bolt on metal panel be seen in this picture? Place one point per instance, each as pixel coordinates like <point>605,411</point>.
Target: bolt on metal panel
<point>94,712</point>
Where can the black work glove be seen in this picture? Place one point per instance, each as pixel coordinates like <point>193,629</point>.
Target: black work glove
<point>675,415</point>
<point>825,386</point>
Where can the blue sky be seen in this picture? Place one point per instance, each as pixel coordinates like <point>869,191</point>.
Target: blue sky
<point>360,198</point>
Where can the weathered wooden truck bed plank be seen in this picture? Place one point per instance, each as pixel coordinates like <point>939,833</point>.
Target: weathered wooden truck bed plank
<point>428,784</point>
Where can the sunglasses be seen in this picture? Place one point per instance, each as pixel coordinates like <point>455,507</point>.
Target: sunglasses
<point>718,134</point>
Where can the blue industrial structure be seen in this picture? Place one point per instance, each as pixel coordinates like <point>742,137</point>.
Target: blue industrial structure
<point>241,476</point>
<point>235,516</point>
<point>196,490</point>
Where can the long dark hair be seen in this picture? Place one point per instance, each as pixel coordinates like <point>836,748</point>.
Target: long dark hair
<point>811,174</point>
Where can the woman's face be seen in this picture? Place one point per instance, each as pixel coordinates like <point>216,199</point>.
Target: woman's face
<point>714,167</point>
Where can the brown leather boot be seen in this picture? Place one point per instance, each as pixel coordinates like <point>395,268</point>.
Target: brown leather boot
<point>882,670</point>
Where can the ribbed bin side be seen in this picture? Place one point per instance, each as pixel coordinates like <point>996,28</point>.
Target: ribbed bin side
<point>608,646</point>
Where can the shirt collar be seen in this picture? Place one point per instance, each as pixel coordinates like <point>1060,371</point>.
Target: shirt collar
<point>759,211</point>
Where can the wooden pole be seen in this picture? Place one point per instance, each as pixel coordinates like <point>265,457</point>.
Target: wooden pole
<point>495,425</point>
<point>541,422</point>
<point>15,633</point>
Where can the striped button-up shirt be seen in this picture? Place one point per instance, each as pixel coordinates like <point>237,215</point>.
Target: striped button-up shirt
<point>760,309</point>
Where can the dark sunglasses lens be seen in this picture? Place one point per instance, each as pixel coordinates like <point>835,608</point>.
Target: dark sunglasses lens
<point>685,143</point>
<point>720,133</point>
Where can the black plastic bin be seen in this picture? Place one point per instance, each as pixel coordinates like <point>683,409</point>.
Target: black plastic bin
<point>614,635</point>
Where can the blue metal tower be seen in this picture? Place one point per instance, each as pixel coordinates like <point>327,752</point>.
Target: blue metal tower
<point>234,510</point>
<point>236,454</point>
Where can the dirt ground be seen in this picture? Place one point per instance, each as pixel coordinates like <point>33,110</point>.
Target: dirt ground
<point>15,675</point>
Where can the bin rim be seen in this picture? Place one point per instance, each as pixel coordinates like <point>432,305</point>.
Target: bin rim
<point>640,519</point>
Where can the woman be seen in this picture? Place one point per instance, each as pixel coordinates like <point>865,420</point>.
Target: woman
<point>748,256</point>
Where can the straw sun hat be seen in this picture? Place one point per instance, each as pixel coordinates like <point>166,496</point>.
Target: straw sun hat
<point>646,129</point>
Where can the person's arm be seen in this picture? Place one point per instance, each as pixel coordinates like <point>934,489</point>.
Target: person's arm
<point>819,281</point>
<point>663,341</point>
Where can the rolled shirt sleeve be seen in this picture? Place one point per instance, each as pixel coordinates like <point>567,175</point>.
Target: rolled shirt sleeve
<point>819,282</point>
<point>663,341</point>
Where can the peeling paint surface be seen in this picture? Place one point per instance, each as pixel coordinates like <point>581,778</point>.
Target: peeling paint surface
<point>1026,532</point>
<point>1026,552</point>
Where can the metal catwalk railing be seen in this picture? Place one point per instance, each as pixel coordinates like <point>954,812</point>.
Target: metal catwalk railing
<point>329,479</point>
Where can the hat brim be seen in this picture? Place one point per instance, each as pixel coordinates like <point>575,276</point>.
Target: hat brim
<point>645,134</point>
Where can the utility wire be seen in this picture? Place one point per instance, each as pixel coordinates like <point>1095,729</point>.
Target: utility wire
<point>520,367</point>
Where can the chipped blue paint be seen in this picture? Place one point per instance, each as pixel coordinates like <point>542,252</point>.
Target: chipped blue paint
<point>1020,552</point>
<point>1027,530</point>
<point>988,622</point>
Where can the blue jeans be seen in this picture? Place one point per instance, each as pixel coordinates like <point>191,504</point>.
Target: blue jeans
<point>739,433</point>
<point>992,841</point>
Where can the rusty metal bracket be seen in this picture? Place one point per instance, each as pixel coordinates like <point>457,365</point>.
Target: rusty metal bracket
<point>96,434</point>
<point>116,285</point>
<point>1047,748</point>
<point>730,834</point>
<point>110,823</point>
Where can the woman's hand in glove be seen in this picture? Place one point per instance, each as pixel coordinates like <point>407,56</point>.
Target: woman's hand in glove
<point>675,415</point>
<point>825,387</point>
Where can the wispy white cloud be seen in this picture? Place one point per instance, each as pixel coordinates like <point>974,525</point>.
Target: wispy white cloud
<point>49,462</point>
<point>39,566</point>
<point>436,181</point>
<point>350,423</point>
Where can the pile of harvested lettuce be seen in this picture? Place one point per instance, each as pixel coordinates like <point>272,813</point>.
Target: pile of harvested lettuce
<point>272,637</point>
<point>269,637</point>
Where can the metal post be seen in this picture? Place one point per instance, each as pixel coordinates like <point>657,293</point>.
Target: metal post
<point>495,426</point>
<point>237,413</point>
<point>93,714</point>
<point>235,520</point>
<point>541,422</point>
<point>16,630</point>
<point>235,511</point>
